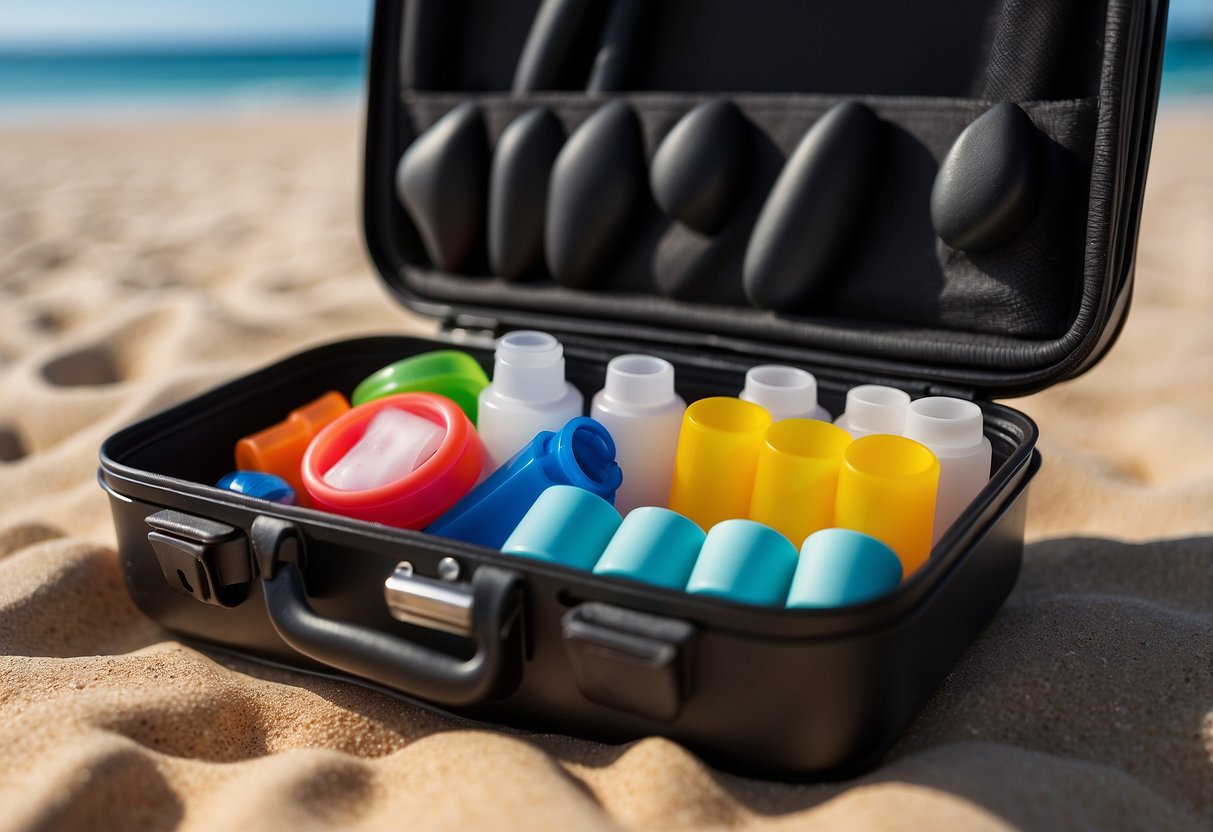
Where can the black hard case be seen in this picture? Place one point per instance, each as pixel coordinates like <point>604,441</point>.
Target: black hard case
<point>794,693</point>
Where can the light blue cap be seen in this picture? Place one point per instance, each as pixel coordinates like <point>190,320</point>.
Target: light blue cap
<point>567,525</point>
<point>839,567</point>
<point>744,561</point>
<point>654,545</point>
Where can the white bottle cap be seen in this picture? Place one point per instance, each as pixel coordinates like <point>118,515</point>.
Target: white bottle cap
<point>785,392</point>
<point>639,381</point>
<point>944,422</point>
<point>875,408</point>
<point>529,366</point>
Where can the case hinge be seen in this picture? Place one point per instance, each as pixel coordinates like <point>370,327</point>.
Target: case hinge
<point>469,330</point>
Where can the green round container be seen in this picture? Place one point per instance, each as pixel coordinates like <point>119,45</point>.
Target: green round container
<point>449,373</point>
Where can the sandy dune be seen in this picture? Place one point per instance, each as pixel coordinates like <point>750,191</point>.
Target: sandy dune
<point>139,266</point>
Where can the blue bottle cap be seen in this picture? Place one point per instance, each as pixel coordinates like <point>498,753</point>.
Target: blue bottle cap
<point>258,484</point>
<point>744,561</point>
<point>653,545</point>
<point>839,567</point>
<point>566,525</point>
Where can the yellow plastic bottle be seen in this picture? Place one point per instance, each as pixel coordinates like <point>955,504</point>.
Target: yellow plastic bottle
<point>716,459</point>
<point>886,488</point>
<point>797,477</point>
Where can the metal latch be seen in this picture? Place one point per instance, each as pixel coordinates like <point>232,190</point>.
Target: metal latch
<point>437,604</point>
<point>201,558</point>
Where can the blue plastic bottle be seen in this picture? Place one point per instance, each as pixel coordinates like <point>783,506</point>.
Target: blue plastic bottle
<point>581,453</point>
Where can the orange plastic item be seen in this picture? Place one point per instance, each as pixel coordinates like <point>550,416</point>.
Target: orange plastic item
<point>279,449</point>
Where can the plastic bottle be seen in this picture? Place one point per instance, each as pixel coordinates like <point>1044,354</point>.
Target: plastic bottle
<point>785,392</point>
<point>581,453</point>
<point>567,525</point>
<point>528,394</point>
<point>953,430</point>
<point>797,477</point>
<point>840,567</point>
<point>746,562</point>
<point>638,405</point>
<point>886,488</point>
<point>654,546</point>
<point>716,460</point>
<point>874,408</point>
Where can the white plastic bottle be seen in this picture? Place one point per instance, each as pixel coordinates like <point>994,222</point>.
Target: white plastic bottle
<point>785,392</point>
<point>639,407</point>
<point>874,408</point>
<point>528,394</point>
<point>952,429</point>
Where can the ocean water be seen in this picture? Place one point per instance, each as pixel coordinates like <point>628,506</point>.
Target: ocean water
<point>107,85</point>
<point>1187,70</point>
<point>114,85</point>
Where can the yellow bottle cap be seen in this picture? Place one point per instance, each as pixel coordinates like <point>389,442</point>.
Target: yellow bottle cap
<point>716,459</point>
<point>887,488</point>
<point>797,477</point>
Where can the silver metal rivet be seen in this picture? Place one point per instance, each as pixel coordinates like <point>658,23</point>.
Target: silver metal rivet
<point>404,569</point>
<point>448,569</point>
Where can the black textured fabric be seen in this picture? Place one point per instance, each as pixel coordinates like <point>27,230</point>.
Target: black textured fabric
<point>1032,307</point>
<point>898,274</point>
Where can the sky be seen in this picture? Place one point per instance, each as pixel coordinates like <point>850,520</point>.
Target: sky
<point>40,24</point>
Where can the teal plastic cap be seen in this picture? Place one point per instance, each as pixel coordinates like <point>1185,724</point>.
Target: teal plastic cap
<point>567,525</point>
<point>746,562</point>
<point>653,545</point>
<point>839,567</point>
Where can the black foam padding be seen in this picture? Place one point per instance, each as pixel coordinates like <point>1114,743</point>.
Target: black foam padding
<point>618,46</point>
<point>989,184</point>
<point>598,186</point>
<point>518,192</point>
<point>562,35</point>
<point>811,216</point>
<point>425,55</point>
<point>703,165</point>
<point>441,182</point>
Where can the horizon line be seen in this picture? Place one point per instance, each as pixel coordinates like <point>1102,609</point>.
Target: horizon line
<point>207,47</point>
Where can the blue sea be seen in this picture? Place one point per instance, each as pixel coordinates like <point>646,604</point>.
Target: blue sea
<point>1187,70</point>
<point>113,84</point>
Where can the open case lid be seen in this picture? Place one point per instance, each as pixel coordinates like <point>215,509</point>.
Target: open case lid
<point>801,218</point>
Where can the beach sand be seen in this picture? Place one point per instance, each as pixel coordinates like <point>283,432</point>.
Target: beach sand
<point>141,266</point>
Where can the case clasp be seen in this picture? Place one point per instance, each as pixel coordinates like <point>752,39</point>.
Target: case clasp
<point>202,558</point>
<point>629,661</point>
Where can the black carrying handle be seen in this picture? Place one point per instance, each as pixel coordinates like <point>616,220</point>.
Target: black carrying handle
<point>388,660</point>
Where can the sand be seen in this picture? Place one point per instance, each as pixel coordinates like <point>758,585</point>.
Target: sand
<point>140,266</point>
